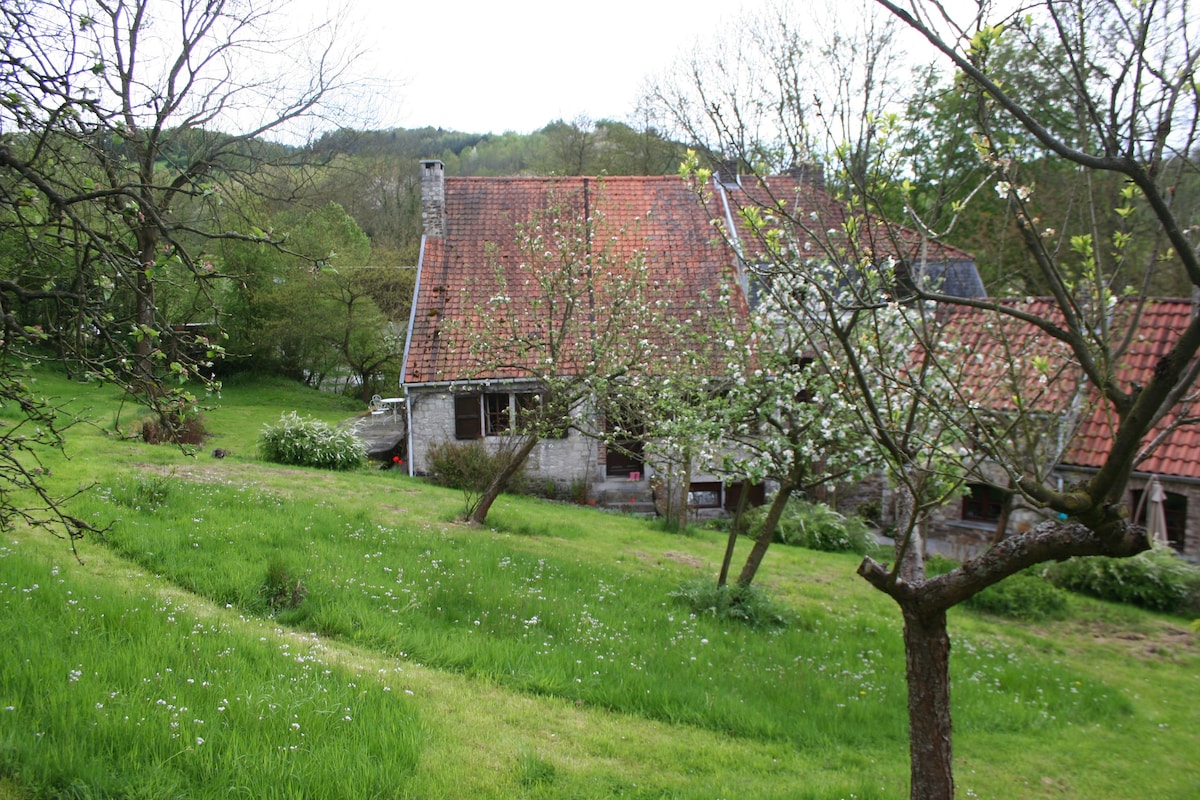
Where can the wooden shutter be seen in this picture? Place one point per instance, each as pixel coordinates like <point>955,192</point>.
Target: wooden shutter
<point>467,421</point>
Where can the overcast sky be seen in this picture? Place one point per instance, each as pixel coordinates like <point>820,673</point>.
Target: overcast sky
<point>517,65</point>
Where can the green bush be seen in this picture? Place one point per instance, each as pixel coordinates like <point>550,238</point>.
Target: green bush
<point>1025,596</point>
<point>817,527</point>
<point>469,466</point>
<point>746,604</point>
<point>309,442</point>
<point>1156,579</point>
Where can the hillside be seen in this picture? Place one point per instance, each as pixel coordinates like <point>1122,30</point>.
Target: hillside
<point>285,632</point>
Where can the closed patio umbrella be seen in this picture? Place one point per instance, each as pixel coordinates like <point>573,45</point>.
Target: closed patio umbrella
<point>1156,513</point>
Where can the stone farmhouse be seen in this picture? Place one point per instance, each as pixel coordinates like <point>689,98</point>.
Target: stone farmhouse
<point>470,226</point>
<point>470,232</point>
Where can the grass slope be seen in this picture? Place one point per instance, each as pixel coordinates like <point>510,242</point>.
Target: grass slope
<point>542,657</point>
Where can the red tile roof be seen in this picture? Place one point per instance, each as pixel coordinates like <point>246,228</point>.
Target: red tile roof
<point>656,216</point>
<point>662,217</point>
<point>1003,352</point>
<point>1004,357</point>
<point>822,220</point>
<point>1156,330</point>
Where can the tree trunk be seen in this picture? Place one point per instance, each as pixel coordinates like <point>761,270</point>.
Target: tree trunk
<point>1002,522</point>
<point>766,535</point>
<point>677,508</point>
<point>927,656</point>
<point>735,530</point>
<point>500,480</point>
<point>910,547</point>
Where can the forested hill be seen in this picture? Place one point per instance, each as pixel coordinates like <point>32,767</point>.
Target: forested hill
<point>579,147</point>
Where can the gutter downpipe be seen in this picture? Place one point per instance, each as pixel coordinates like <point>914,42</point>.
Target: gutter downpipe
<point>412,319</point>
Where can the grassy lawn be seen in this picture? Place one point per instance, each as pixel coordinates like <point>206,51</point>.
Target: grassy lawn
<point>283,632</point>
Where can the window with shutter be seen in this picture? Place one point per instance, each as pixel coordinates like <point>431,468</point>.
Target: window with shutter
<point>468,421</point>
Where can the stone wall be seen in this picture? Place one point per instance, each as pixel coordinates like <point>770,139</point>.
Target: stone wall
<point>567,462</point>
<point>564,461</point>
<point>947,524</point>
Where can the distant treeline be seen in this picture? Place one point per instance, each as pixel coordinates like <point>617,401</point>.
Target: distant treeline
<point>578,147</point>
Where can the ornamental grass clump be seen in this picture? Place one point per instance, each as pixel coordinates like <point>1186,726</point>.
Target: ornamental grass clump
<point>746,604</point>
<point>308,442</point>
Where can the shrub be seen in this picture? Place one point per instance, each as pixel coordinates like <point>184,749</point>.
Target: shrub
<point>469,466</point>
<point>1156,579</point>
<point>175,429</point>
<point>1025,596</point>
<point>817,527</point>
<point>747,604</point>
<point>310,443</point>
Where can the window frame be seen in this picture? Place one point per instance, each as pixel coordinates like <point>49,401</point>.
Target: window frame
<point>1176,512</point>
<point>481,415</point>
<point>714,488</point>
<point>624,455</point>
<point>497,413</point>
<point>983,503</point>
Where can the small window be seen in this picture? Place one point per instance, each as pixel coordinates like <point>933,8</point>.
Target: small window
<point>529,408</point>
<point>704,494</point>
<point>756,495</point>
<point>983,503</point>
<point>466,417</point>
<point>625,452</point>
<point>496,414</point>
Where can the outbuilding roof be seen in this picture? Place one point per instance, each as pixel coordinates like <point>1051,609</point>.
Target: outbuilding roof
<point>1009,357</point>
<point>1154,331</point>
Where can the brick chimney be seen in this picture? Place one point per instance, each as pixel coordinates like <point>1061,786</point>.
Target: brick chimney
<point>727,173</point>
<point>809,172</point>
<point>433,198</point>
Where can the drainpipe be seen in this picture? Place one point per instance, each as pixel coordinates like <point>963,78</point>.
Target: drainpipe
<point>408,449</point>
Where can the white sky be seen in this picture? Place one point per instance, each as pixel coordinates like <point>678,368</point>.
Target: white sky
<point>490,67</point>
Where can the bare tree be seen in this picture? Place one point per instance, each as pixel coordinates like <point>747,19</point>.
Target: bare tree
<point>130,130</point>
<point>1133,112</point>
<point>939,417</point>
<point>571,146</point>
<point>778,90</point>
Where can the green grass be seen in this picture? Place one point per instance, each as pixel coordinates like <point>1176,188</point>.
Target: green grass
<point>544,656</point>
<point>113,694</point>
